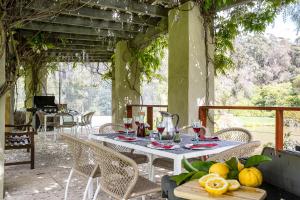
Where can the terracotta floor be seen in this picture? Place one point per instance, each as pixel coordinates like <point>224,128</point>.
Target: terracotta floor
<point>48,179</point>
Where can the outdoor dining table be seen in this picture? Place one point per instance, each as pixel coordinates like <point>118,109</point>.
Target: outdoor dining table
<point>141,144</point>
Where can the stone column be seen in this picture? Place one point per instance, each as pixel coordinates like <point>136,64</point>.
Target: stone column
<point>126,83</point>
<point>187,63</point>
<point>2,115</point>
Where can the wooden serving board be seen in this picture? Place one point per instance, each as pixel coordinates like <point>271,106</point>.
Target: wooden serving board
<point>193,191</point>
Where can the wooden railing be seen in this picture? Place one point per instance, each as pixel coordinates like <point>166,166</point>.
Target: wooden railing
<point>279,123</point>
<point>149,111</point>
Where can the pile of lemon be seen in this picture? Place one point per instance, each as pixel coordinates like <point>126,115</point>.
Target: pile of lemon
<point>216,184</point>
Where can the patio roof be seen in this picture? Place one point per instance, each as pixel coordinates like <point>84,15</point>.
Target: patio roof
<point>92,27</point>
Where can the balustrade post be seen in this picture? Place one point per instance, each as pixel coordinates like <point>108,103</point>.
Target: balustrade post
<point>129,111</point>
<point>279,130</point>
<point>150,117</point>
<point>203,115</point>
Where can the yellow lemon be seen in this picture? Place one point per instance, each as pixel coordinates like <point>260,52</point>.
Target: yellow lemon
<point>219,168</point>
<point>204,178</point>
<point>216,186</point>
<point>233,184</point>
<point>251,177</point>
<point>240,165</point>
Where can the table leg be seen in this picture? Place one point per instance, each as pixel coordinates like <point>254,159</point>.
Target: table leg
<point>151,167</point>
<point>177,166</point>
<point>45,124</point>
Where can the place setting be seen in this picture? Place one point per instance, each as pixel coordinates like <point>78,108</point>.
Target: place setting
<point>199,142</point>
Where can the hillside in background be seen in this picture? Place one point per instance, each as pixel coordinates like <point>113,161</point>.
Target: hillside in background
<point>267,67</point>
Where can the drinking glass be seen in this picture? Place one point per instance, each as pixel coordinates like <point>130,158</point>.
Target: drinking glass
<point>196,124</point>
<point>127,123</point>
<point>160,126</point>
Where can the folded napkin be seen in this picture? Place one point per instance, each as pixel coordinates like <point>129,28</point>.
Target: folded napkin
<point>121,137</point>
<point>160,145</point>
<point>203,145</point>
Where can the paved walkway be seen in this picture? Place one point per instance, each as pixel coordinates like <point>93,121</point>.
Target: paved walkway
<point>48,179</point>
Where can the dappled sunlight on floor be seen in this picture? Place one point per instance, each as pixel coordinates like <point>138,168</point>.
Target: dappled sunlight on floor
<point>48,179</point>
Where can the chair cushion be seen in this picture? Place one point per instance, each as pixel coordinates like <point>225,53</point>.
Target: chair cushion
<point>143,187</point>
<point>138,158</point>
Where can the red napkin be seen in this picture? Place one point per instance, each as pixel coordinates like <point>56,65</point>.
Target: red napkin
<point>203,145</point>
<point>160,145</point>
<point>121,137</point>
<point>125,131</point>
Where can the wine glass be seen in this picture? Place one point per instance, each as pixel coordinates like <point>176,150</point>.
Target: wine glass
<point>160,126</point>
<point>137,120</point>
<point>196,124</point>
<point>127,123</point>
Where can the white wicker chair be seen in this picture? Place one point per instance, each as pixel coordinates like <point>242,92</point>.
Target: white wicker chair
<point>234,134</point>
<point>84,162</point>
<point>120,176</point>
<point>113,128</point>
<point>241,151</point>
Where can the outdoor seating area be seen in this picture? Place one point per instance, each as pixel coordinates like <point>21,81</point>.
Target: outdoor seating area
<point>150,99</point>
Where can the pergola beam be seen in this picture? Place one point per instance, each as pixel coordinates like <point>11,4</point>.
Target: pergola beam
<point>130,6</point>
<point>92,23</point>
<point>70,51</point>
<point>94,13</point>
<point>66,36</point>
<point>57,28</point>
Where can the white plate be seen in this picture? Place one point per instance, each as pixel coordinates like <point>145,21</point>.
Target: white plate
<point>160,148</point>
<point>188,146</point>
<point>124,140</point>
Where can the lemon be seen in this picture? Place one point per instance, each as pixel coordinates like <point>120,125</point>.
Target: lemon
<point>204,178</point>
<point>240,166</point>
<point>233,184</point>
<point>216,186</point>
<point>251,177</point>
<point>219,168</point>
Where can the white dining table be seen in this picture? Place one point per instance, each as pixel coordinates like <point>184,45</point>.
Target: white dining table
<point>176,155</point>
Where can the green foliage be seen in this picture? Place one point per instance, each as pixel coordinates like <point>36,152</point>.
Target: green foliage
<point>281,94</point>
<point>256,160</point>
<point>251,17</point>
<point>149,58</point>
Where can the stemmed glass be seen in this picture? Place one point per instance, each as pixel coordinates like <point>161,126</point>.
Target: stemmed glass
<point>127,123</point>
<point>160,128</point>
<point>196,124</point>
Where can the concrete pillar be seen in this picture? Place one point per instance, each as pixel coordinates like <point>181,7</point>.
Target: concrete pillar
<point>2,116</point>
<point>126,83</point>
<point>187,63</point>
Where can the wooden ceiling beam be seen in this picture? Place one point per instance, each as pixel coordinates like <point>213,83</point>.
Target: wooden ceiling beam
<point>130,6</point>
<point>57,28</point>
<point>96,13</point>
<point>92,23</point>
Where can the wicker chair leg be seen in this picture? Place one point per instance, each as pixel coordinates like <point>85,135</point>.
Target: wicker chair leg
<point>87,188</point>
<point>68,182</point>
<point>97,192</point>
<point>143,197</point>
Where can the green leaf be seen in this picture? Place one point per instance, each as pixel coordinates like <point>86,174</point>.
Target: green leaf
<point>233,174</point>
<point>182,178</point>
<point>202,166</point>
<point>198,175</point>
<point>256,160</point>
<point>232,163</point>
<point>188,166</point>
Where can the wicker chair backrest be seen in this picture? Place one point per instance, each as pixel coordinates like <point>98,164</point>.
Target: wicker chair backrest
<point>241,151</point>
<point>119,173</point>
